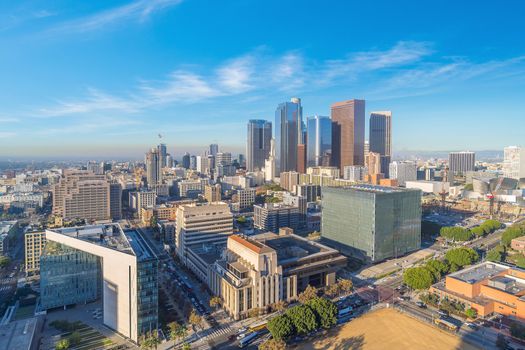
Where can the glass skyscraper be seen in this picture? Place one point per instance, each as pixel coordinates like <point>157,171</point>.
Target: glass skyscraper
<point>288,134</point>
<point>380,138</point>
<point>319,141</point>
<point>371,223</point>
<point>258,144</point>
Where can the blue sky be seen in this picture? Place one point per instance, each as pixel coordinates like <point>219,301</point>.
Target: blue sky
<point>104,78</point>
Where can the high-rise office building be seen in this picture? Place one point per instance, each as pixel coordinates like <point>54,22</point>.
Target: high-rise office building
<point>223,158</point>
<point>348,133</point>
<point>186,160</point>
<point>301,158</point>
<point>403,171</point>
<point>367,148</point>
<point>82,264</point>
<point>193,162</point>
<point>288,134</point>
<point>514,162</point>
<point>319,141</point>
<point>115,200</point>
<point>80,194</point>
<point>373,163</point>
<point>153,167</point>
<point>269,164</point>
<point>460,163</point>
<point>372,223</point>
<point>212,193</point>
<point>257,144</point>
<point>162,151</point>
<point>214,149</point>
<point>355,173</point>
<point>202,224</point>
<point>380,137</point>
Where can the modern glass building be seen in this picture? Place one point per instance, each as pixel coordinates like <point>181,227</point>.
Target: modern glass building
<point>288,134</point>
<point>319,141</point>
<point>371,223</point>
<point>83,264</point>
<point>258,144</point>
<point>380,137</point>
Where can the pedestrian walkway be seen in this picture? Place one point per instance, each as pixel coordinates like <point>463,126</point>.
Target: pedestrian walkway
<point>217,331</point>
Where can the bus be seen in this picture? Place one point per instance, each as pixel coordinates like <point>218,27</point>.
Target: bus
<point>248,339</point>
<point>344,311</point>
<point>442,323</point>
<point>259,326</point>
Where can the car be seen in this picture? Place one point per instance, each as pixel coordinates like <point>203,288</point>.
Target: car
<point>241,335</point>
<point>421,304</point>
<point>471,325</point>
<point>442,313</point>
<point>371,286</point>
<point>242,329</point>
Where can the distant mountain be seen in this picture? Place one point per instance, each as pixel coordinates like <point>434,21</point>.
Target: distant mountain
<point>487,155</point>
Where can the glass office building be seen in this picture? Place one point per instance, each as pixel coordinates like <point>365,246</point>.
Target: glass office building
<point>371,223</point>
<point>319,141</point>
<point>288,134</point>
<point>68,276</point>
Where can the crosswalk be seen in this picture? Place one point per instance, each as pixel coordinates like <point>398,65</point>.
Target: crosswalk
<point>216,332</point>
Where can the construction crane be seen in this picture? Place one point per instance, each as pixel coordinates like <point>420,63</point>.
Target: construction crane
<point>492,197</point>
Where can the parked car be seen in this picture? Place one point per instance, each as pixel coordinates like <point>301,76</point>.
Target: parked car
<point>421,304</point>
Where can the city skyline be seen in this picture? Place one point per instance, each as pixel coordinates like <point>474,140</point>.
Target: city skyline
<point>67,93</point>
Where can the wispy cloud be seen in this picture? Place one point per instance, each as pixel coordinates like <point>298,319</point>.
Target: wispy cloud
<point>407,68</point>
<point>138,10</point>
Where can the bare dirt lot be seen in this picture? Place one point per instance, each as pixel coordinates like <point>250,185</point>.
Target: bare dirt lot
<point>388,329</point>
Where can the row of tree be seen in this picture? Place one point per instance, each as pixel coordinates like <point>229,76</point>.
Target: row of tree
<point>461,234</point>
<point>422,277</point>
<point>304,318</point>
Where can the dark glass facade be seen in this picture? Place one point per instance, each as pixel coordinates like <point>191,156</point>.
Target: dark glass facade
<point>319,141</point>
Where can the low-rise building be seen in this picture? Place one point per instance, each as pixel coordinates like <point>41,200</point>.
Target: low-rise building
<point>518,244</point>
<point>260,270</point>
<point>488,288</point>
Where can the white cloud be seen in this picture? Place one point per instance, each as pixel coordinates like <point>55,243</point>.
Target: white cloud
<point>138,10</point>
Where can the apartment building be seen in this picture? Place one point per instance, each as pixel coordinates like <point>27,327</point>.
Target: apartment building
<point>212,193</point>
<point>34,243</point>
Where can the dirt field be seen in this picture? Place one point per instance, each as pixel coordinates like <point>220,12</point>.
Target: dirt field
<point>388,329</point>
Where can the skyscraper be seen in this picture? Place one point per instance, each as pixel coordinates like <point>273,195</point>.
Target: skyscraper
<point>258,144</point>
<point>460,163</point>
<point>348,133</point>
<point>161,148</point>
<point>380,137</point>
<point>153,167</point>
<point>514,162</point>
<point>186,160</point>
<point>288,133</point>
<point>319,141</point>
<point>193,162</point>
<point>214,149</point>
<point>403,171</point>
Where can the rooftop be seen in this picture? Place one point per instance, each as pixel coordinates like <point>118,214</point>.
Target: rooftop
<point>479,272</point>
<point>18,334</point>
<point>5,226</point>
<point>375,188</point>
<point>210,253</point>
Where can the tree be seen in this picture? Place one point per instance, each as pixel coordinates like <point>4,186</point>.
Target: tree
<point>177,331</point>
<point>478,231</point>
<point>74,338</point>
<point>241,219</point>
<point>4,261</point>
<point>325,311</point>
<point>497,254</point>
<point>273,344</point>
<point>303,318</point>
<point>281,327</point>
<point>333,290</point>
<point>279,305</point>
<point>455,233</point>
<point>186,346</point>
<point>418,278</point>
<point>462,256</point>
<point>511,233</point>
<point>215,301</point>
<point>62,344</point>
<point>194,319</point>
<point>471,313</point>
<point>153,222</point>
<point>345,285</point>
<point>309,293</point>
<point>519,260</point>
<point>437,267</point>
<point>254,312</point>
<point>150,341</point>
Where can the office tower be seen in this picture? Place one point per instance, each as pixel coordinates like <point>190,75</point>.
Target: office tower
<point>169,161</point>
<point>242,158</point>
<point>355,173</point>
<point>403,172</point>
<point>202,164</point>
<point>272,216</point>
<point>153,167</point>
<point>34,246</point>
<point>223,158</point>
<point>348,133</point>
<point>288,134</point>
<point>246,197</point>
<point>202,224</point>
<point>380,137</point>
<point>186,162</point>
<point>193,162</point>
<point>213,150</point>
<point>161,150</point>
<point>367,148</point>
<point>212,193</point>
<point>142,199</point>
<point>269,164</point>
<point>459,163</point>
<point>373,163</point>
<point>319,141</point>
<point>301,158</point>
<point>210,163</point>
<point>514,162</point>
<point>80,194</point>
<point>279,266</point>
<point>115,200</point>
<point>289,179</point>
<point>372,223</point>
<point>258,144</point>
<point>84,264</point>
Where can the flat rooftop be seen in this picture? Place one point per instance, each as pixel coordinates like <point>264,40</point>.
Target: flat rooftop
<point>479,272</point>
<point>210,253</point>
<point>18,334</point>
<point>5,226</point>
<point>374,188</point>
<point>113,237</point>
